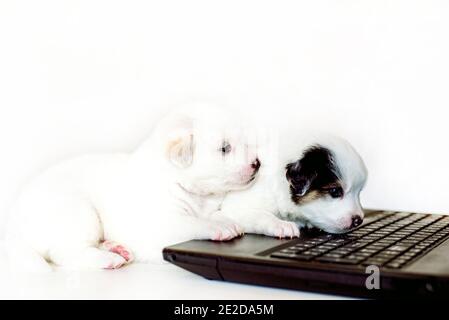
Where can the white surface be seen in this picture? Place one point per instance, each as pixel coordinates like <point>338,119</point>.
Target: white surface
<point>92,76</point>
<point>138,281</point>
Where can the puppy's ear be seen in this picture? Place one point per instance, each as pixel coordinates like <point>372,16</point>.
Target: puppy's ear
<point>175,132</point>
<point>180,148</point>
<point>300,178</point>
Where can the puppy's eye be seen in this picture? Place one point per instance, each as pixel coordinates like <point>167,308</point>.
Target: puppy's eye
<point>336,192</point>
<point>226,148</point>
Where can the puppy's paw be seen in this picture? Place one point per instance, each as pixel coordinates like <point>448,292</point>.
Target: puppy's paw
<point>114,261</point>
<point>282,229</point>
<point>224,230</point>
<point>119,249</point>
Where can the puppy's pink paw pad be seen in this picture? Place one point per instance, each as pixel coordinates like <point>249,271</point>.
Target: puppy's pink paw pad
<point>218,236</point>
<point>222,236</point>
<point>118,249</point>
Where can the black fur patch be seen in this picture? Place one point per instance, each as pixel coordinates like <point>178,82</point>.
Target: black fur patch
<point>312,174</point>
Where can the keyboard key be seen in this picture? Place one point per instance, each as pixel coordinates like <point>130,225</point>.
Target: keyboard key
<point>290,251</point>
<point>366,250</point>
<point>312,253</point>
<point>399,248</point>
<point>355,245</point>
<point>356,259</point>
<point>375,261</point>
<point>343,251</point>
<point>394,265</point>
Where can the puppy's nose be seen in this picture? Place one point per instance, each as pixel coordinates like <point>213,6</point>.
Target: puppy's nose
<point>256,164</point>
<point>356,221</point>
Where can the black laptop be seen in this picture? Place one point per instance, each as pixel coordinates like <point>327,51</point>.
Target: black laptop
<point>392,254</point>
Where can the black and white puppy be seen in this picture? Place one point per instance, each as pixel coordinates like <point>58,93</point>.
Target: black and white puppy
<point>305,180</point>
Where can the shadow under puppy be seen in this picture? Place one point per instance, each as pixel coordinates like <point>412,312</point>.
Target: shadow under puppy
<point>104,211</point>
<point>311,180</point>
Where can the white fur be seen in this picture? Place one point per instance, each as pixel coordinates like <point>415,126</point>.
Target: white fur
<point>162,193</point>
<point>267,208</point>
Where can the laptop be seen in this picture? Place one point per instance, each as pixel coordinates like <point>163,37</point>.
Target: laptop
<point>391,255</point>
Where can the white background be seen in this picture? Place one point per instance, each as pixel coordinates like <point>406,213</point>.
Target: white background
<point>93,76</point>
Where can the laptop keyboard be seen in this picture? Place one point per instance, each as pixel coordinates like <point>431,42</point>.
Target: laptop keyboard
<point>392,240</point>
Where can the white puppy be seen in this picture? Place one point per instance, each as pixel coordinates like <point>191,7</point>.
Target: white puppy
<point>104,211</point>
<point>304,180</point>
